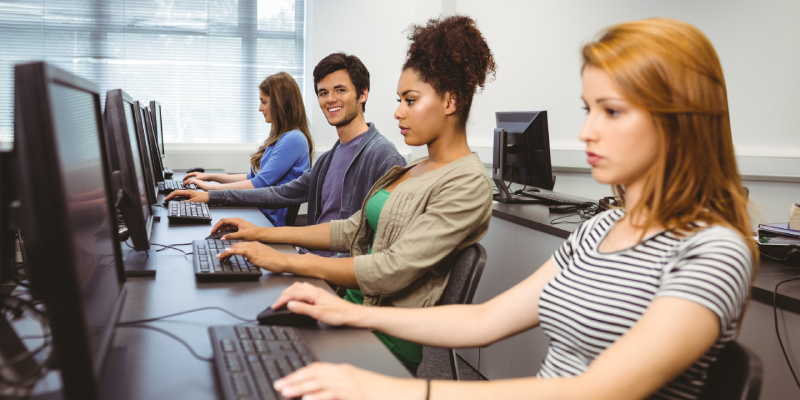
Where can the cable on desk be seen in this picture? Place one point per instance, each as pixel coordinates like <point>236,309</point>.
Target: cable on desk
<point>172,335</point>
<point>777,332</point>
<point>171,247</point>
<point>141,321</point>
<point>14,303</point>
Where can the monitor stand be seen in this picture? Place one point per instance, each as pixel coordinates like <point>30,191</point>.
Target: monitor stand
<point>505,197</point>
<point>138,263</point>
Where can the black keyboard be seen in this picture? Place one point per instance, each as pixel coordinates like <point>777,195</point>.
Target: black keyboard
<point>208,267</point>
<point>250,358</point>
<point>170,185</point>
<point>168,172</point>
<point>550,197</point>
<point>188,211</point>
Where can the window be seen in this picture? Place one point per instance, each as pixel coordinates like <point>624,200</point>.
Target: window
<point>202,59</point>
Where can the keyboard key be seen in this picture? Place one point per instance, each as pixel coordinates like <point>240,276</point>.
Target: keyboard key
<point>232,362</point>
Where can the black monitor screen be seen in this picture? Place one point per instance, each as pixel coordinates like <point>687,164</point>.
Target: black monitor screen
<point>77,130</point>
<point>155,109</point>
<point>137,159</point>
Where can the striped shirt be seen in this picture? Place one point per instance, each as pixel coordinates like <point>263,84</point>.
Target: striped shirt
<point>597,297</point>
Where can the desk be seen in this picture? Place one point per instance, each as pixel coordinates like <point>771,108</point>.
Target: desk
<point>161,368</point>
<point>521,238</point>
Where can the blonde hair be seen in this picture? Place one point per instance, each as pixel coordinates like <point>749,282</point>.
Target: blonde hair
<point>670,69</point>
<point>287,111</point>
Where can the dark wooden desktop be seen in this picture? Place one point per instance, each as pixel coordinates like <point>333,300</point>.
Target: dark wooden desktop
<point>161,368</point>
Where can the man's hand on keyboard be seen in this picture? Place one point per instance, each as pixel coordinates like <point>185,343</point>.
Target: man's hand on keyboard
<point>193,195</point>
<point>259,254</point>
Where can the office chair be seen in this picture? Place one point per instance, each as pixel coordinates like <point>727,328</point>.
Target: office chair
<point>291,214</point>
<point>736,375</point>
<point>464,277</point>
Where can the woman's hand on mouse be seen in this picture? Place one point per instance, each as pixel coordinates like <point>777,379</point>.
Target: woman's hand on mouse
<point>197,175</point>
<point>304,298</point>
<point>259,254</point>
<point>193,195</point>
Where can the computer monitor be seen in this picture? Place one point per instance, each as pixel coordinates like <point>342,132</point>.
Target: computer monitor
<point>521,153</point>
<point>73,255</point>
<point>144,151</point>
<point>155,157</point>
<point>7,229</point>
<point>125,158</point>
<point>155,116</point>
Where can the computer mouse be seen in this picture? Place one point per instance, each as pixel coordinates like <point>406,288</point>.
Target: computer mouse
<point>284,317</point>
<point>219,235</point>
<point>196,169</point>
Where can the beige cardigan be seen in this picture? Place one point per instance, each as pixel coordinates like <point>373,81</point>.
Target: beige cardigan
<point>425,220</point>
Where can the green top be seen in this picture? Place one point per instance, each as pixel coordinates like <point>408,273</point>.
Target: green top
<point>410,354</point>
<point>374,208</point>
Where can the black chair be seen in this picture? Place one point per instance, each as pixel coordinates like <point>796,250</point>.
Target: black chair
<point>736,375</point>
<point>291,214</point>
<point>464,277</point>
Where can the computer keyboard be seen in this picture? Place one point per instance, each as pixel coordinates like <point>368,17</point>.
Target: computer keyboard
<point>188,211</point>
<point>168,172</point>
<point>170,185</point>
<point>550,197</point>
<point>208,267</point>
<point>250,358</point>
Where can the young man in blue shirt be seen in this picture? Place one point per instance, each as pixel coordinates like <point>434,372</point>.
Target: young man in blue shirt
<point>359,158</point>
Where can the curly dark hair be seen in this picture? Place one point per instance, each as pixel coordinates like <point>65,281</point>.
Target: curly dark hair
<point>451,55</point>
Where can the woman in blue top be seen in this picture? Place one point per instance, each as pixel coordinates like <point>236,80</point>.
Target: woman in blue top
<point>284,156</point>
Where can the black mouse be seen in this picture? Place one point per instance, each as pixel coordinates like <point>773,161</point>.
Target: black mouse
<point>284,317</point>
<point>196,169</point>
<point>219,235</point>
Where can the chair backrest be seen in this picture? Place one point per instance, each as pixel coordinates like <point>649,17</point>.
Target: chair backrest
<point>291,214</point>
<point>736,375</point>
<point>464,276</point>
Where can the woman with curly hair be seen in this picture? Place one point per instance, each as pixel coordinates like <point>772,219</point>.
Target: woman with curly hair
<point>414,217</point>
<point>639,301</point>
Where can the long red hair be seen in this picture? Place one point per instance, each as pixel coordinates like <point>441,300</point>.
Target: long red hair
<point>670,69</point>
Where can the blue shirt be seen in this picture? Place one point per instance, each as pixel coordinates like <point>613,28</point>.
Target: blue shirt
<point>282,162</point>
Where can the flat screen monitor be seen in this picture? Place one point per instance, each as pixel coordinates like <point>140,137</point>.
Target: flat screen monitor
<point>73,255</point>
<point>158,167</point>
<point>526,153</point>
<point>7,196</point>
<point>144,151</point>
<point>125,158</point>
<point>155,115</point>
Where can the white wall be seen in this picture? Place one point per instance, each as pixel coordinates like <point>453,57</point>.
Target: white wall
<point>537,44</point>
<point>374,31</point>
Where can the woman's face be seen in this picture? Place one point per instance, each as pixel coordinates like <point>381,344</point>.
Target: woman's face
<point>621,141</point>
<point>264,106</point>
<point>422,112</point>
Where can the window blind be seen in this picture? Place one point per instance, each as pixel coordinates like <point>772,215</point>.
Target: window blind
<point>201,59</point>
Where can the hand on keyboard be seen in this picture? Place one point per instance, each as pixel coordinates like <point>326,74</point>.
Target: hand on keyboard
<point>344,381</point>
<point>258,254</point>
<point>201,184</point>
<point>193,195</point>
